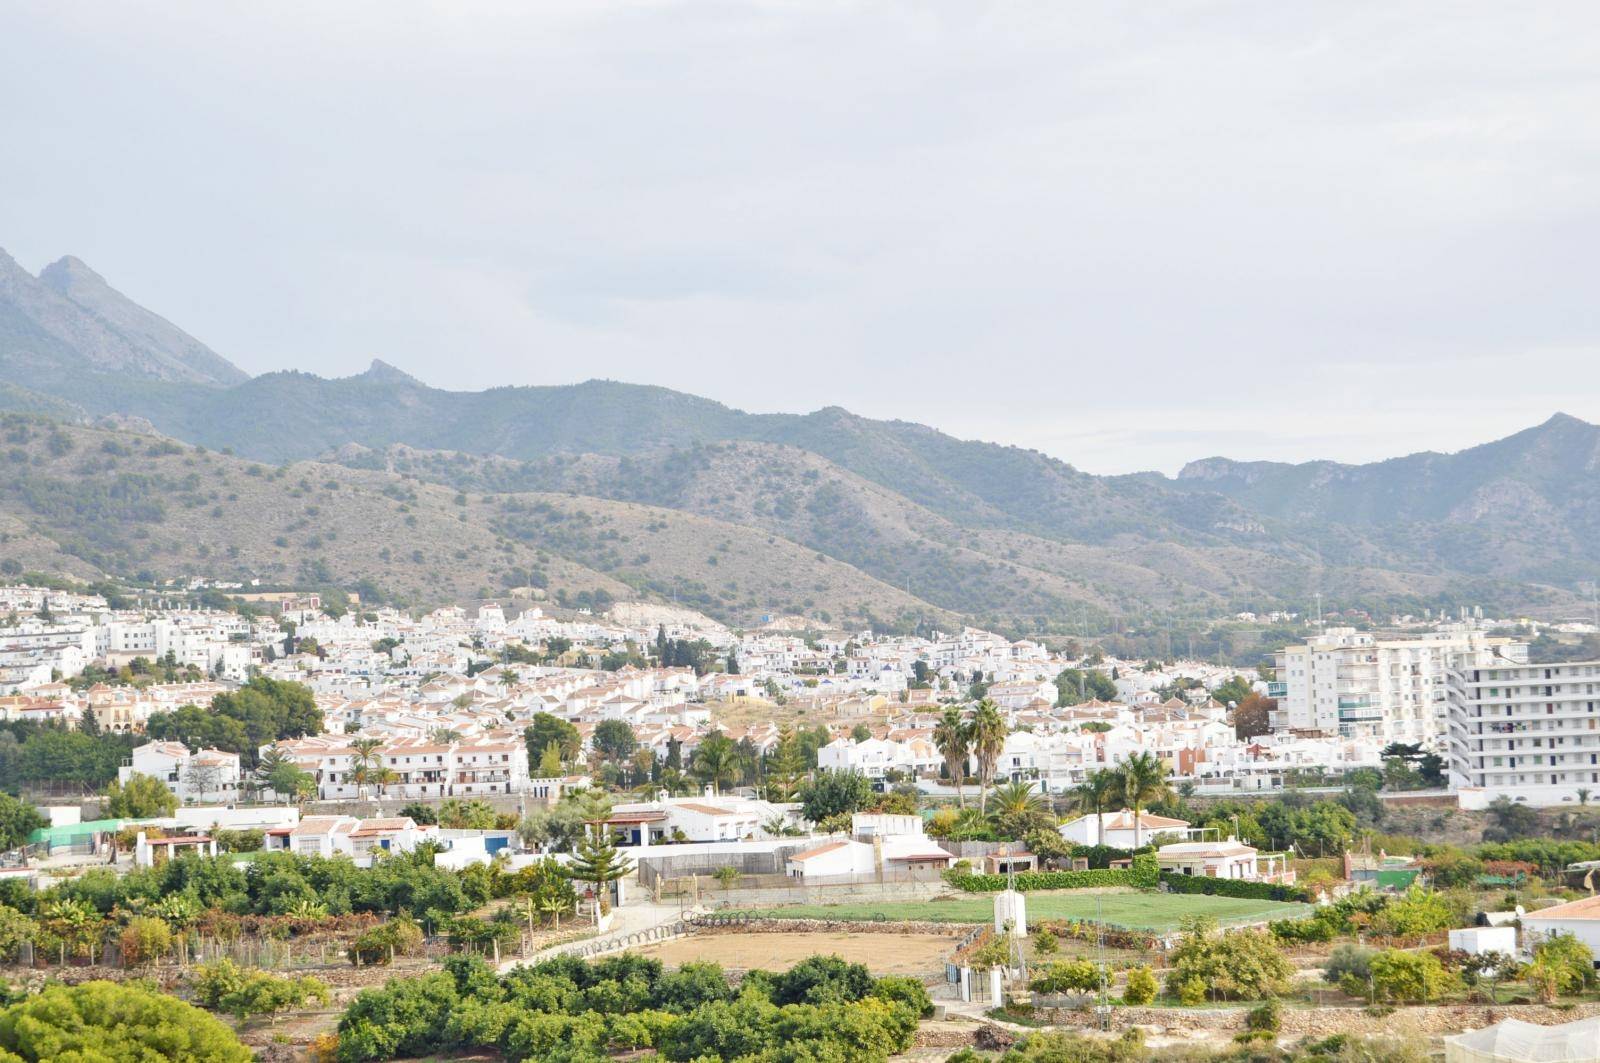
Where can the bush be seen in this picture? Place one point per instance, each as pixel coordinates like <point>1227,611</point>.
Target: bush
<point>144,940</point>
<point>1070,976</point>
<point>1141,988</point>
<point>1238,965</point>
<point>1409,977</point>
<point>105,1021</point>
<point>397,937</point>
<point>1266,1017</point>
<point>1231,887</point>
<point>907,991</point>
<point>1028,881</point>
<point>1349,961</point>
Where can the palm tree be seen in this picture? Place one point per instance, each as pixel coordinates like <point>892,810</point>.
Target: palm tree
<point>988,733</point>
<point>443,736</point>
<point>1095,794</point>
<point>717,759</point>
<point>365,762</point>
<point>952,739</point>
<point>1018,809</point>
<point>1144,779</point>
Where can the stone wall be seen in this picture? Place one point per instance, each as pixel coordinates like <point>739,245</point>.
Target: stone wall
<point>1420,1021</point>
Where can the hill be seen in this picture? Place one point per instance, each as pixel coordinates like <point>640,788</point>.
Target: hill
<point>642,487</point>
<point>1525,507</point>
<point>92,501</point>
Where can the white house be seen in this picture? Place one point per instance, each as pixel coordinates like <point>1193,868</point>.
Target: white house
<point>1119,829</point>
<point>208,775</point>
<point>1225,859</point>
<point>894,855</point>
<point>1580,918</point>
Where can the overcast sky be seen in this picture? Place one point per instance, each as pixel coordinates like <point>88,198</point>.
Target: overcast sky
<point>1126,234</point>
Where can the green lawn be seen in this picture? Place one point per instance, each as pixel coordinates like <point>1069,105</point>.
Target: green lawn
<point>1131,909</point>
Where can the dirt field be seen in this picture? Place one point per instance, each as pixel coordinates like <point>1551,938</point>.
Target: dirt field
<point>915,954</point>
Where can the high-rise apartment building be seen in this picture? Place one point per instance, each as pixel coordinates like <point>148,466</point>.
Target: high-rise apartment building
<point>1349,683</point>
<point>1530,732</point>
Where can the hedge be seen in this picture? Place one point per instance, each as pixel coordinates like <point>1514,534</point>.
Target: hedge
<point>1232,887</point>
<point>1143,875</point>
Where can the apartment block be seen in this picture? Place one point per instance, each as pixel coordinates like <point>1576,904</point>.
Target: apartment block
<point>1527,732</point>
<point>1352,684</point>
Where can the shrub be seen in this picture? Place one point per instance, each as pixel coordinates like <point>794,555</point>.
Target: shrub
<point>144,940</point>
<point>907,991</point>
<point>1231,887</point>
<point>1409,977</point>
<point>1191,991</point>
<point>1266,1017</point>
<point>397,937</point>
<point>1070,976</point>
<point>1141,988</point>
<point>1028,881</point>
<point>1239,965</point>
<point>104,1021</point>
<point>1352,961</point>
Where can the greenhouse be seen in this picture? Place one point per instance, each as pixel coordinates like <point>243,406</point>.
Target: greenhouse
<point>1514,1041</point>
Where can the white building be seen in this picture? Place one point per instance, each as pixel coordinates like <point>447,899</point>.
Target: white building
<point>890,855</point>
<point>1346,682</point>
<point>1223,859</point>
<point>1530,732</point>
<point>1119,829</point>
<point>1580,918</point>
<point>208,775</point>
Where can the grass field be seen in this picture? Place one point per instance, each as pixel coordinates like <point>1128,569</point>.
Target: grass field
<point>1131,909</point>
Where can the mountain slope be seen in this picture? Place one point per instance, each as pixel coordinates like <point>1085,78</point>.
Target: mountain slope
<point>69,322</point>
<point>1525,507</point>
<point>73,280</point>
<point>89,501</point>
<point>884,516</point>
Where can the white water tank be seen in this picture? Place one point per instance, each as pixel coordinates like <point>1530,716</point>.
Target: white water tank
<point>1010,912</point>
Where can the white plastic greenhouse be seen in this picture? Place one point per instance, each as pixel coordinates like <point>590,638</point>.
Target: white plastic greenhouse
<point>1514,1041</point>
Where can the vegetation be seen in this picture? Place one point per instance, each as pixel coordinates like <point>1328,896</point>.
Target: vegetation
<point>569,1010</point>
<point>141,797</point>
<point>106,1021</point>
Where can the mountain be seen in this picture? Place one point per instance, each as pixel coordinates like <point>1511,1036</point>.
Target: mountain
<point>68,322</point>
<point>91,501</point>
<point>1523,507</point>
<point>640,490</point>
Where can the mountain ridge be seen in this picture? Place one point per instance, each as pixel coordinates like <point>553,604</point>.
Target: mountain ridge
<point>965,526</point>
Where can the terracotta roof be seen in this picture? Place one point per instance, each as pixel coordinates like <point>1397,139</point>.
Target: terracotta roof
<point>819,850</point>
<point>1584,908</point>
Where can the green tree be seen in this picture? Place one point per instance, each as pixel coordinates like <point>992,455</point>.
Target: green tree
<point>1094,796</point>
<point>597,861</point>
<point>716,761</point>
<point>1144,780</point>
<point>834,793</point>
<point>614,741</point>
<point>18,819</point>
<point>952,738</point>
<point>104,1021</point>
<point>1239,965</point>
<point>546,730</point>
<point>1017,809</point>
<point>988,738</point>
<point>1409,977</point>
<point>141,797</point>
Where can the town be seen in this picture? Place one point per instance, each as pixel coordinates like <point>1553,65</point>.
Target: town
<point>1041,834</point>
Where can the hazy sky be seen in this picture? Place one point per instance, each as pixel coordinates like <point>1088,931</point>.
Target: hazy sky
<point>1125,234</point>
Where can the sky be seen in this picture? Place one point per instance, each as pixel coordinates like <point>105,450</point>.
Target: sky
<point>1128,235</point>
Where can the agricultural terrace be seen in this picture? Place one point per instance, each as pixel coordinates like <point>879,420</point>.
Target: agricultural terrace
<point>1135,910</point>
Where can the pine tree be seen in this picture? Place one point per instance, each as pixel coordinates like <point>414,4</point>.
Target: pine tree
<point>596,860</point>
